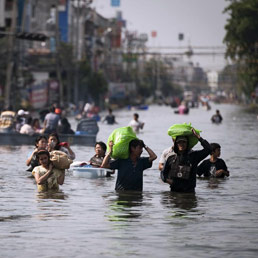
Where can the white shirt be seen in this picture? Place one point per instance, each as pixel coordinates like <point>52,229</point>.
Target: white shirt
<point>136,125</point>
<point>165,154</point>
<point>27,129</point>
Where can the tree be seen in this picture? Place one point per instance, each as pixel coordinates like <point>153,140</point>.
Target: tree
<point>242,41</point>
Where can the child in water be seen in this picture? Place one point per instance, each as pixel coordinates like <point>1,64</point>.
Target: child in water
<point>47,177</point>
<point>213,167</point>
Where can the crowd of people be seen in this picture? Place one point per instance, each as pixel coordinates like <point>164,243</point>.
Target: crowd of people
<point>178,165</point>
<point>23,122</point>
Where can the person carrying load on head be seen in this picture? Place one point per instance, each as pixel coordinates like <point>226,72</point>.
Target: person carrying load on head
<point>179,170</point>
<point>130,170</point>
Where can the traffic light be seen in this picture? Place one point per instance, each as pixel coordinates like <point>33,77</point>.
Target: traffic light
<point>31,36</point>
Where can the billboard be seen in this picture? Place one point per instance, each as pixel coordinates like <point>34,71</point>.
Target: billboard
<point>39,94</point>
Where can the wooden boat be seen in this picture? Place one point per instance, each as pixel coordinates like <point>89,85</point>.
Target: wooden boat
<point>90,172</point>
<point>85,134</point>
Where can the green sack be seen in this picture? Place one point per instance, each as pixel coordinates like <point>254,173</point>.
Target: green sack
<point>184,130</point>
<point>121,138</point>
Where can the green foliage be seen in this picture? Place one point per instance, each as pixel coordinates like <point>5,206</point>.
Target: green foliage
<point>242,41</point>
<point>91,84</point>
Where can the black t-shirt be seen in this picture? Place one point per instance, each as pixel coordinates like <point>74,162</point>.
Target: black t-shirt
<point>130,177</point>
<point>110,119</point>
<point>208,168</point>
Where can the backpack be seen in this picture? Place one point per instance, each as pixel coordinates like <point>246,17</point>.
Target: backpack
<point>60,159</point>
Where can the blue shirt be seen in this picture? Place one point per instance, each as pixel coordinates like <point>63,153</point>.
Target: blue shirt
<point>130,177</point>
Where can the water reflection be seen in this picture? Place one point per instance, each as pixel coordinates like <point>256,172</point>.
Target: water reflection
<point>59,195</point>
<point>180,203</point>
<point>213,182</point>
<point>126,206</point>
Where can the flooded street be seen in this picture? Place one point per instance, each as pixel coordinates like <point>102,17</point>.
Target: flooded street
<point>87,218</point>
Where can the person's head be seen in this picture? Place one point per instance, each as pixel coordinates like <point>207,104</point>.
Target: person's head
<point>22,113</point>
<point>64,121</point>
<point>215,149</point>
<point>135,116</point>
<point>29,120</point>
<point>35,123</point>
<point>43,157</point>
<point>41,142</point>
<point>135,147</point>
<point>53,141</point>
<point>58,111</point>
<point>217,112</point>
<point>100,149</point>
<point>110,111</point>
<point>181,144</point>
<point>52,109</point>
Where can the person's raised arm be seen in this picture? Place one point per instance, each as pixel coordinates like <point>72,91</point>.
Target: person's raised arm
<point>152,155</point>
<point>206,147</point>
<point>105,162</point>
<point>28,161</point>
<point>71,153</point>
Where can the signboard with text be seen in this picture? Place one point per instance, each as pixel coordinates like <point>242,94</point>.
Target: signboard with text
<point>39,95</point>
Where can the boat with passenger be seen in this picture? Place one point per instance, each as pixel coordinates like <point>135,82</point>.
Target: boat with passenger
<point>85,134</point>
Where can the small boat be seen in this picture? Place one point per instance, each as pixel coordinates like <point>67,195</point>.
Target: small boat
<point>139,107</point>
<point>25,139</point>
<point>91,172</point>
<point>85,134</point>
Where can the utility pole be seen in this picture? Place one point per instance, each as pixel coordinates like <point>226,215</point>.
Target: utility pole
<point>76,79</point>
<point>58,68</point>
<point>10,62</point>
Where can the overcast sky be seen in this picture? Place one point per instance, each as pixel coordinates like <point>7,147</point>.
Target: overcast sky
<point>201,21</point>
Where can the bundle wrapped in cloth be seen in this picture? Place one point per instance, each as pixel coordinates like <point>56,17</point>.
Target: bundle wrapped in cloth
<point>121,138</point>
<point>184,130</point>
<point>60,159</point>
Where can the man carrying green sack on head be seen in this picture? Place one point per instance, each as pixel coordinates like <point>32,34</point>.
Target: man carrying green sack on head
<point>178,164</point>
<point>130,170</point>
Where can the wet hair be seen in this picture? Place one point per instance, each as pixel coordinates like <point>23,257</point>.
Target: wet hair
<point>176,146</point>
<point>34,121</point>
<point>29,120</point>
<point>214,146</point>
<point>103,145</point>
<point>64,121</point>
<point>39,138</point>
<point>134,143</point>
<point>42,152</point>
<point>52,109</point>
<point>57,147</point>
